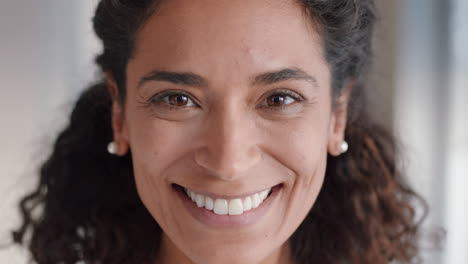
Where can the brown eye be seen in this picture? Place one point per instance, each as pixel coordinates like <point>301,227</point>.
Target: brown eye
<point>178,100</point>
<point>276,100</point>
<point>174,100</point>
<point>280,100</point>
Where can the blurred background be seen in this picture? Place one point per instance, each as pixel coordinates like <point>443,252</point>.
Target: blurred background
<point>418,88</point>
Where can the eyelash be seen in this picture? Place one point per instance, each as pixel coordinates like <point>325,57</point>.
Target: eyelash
<point>161,97</point>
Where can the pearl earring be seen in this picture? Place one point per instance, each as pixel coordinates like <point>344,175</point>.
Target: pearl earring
<point>112,148</point>
<point>344,147</point>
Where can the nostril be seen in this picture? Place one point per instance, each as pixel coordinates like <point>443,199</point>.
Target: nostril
<point>228,164</point>
<point>227,171</point>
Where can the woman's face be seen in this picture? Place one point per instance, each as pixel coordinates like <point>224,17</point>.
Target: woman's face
<point>230,102</point>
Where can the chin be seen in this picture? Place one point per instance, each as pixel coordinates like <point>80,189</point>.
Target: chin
<point>230,255</point>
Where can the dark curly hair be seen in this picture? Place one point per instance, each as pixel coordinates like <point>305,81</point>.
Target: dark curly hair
<point>87,199</point>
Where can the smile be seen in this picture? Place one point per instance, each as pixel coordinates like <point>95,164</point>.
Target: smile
<point>228,207</point>
<point>228,212</point>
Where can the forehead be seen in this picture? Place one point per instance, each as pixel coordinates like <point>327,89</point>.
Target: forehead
<point>213,35</point>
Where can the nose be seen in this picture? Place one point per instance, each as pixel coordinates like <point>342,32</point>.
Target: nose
<point>230,145</point>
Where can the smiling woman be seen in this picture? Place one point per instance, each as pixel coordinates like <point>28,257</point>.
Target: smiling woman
<point>229,124</point>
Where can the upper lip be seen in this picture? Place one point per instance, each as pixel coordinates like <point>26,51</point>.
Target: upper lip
<point>227,197</point>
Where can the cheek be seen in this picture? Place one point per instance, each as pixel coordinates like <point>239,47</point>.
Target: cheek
<point>155,146</point>
<point>156,143</point>
<point>303,146</point>
<point>309,161</point>
<point>306,155</point>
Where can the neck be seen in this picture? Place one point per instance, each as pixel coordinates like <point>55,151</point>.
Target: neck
<point>280,256</point>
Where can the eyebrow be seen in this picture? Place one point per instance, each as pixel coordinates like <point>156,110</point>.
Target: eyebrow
<point>192,79</point>
<point>285,74</point>
<point>184,78</point>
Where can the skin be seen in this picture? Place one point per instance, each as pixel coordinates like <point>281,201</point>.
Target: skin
<point>228,139</point>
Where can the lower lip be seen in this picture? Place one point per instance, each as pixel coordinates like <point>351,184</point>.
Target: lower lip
<point>211,219</point>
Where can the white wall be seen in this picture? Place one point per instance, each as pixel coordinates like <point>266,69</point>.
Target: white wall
<point>46,50</point>
<point>431,117</point>
<point>455,210</point>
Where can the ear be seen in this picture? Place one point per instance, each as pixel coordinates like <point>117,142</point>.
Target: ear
<point>338,121</point>
<point>119,124</point>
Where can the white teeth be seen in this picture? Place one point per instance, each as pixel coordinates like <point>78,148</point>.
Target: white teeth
<point>256,200</point>
<point>221,207</point>
<point>247,203</point>
<point>200,200</point>
<point>209,204</point>
<point>192,196</point>
<point>235,207</point>
<point>228,207</point>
